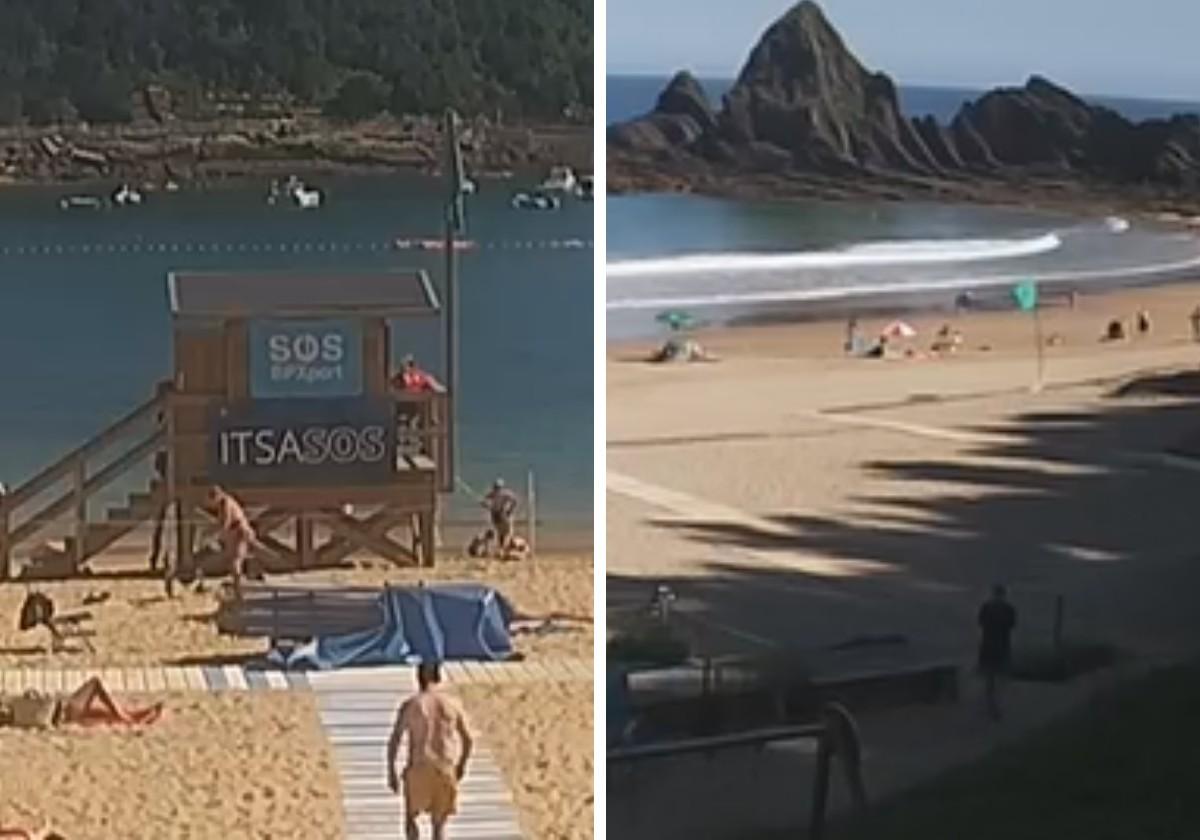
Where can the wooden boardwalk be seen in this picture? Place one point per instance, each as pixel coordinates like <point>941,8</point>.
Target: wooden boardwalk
<point>153,678</point>
<point>357,708</point>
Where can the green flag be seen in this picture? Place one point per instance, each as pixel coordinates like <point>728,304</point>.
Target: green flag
<point>1026,295</point>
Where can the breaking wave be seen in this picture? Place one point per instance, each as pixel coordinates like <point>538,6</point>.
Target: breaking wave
<point>895,253</point>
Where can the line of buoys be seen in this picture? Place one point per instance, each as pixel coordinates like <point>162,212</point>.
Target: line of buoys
<point>433,245</point>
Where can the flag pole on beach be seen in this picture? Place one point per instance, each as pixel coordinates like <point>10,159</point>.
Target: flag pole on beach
<point>455,226</point>
<point>1025,294</point>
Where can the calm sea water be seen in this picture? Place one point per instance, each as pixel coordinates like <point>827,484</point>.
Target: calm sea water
<point>729,259</point>
<point>85,332</point>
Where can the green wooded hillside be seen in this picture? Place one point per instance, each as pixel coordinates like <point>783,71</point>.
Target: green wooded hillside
<point>62,60</point>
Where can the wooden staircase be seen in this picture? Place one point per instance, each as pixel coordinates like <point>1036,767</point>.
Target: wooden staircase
<point>141,506</point>
<point>59,496</point>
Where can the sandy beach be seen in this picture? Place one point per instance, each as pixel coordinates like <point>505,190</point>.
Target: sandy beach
<point>541,736</point>
<point>209,745</point>
<point>216,766</point>
<point>797,497</point>
<point>794,499</point>
<point>136,624</point>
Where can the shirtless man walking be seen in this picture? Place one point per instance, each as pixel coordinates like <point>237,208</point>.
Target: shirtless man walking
<point>433,723</point>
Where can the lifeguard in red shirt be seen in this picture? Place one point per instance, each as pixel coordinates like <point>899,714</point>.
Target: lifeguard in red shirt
<point>411,378</point>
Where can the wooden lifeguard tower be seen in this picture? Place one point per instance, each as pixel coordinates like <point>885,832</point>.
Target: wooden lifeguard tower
<point>281,392</point>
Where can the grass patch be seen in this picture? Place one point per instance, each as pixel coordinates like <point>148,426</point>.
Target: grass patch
<point>654,646</point>
<point>1124,767</point>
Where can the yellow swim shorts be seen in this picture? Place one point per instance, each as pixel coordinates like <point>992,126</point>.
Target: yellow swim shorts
<point>430,789</point>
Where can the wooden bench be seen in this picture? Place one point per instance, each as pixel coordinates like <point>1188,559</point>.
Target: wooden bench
<point>299,613</point>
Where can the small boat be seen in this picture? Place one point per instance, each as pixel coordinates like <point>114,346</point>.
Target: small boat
<point>294,189</point>
<point>469,187</point>
<point>126,196</point>
<point>561,179</point>
<point>80,202</point>
<point>535,200</point>
<point>306,199</point>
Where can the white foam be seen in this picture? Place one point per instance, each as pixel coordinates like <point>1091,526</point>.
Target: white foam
<point>946,284</point>
<point>907,252</point>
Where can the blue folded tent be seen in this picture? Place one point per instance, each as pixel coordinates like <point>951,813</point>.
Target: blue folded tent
<point>419,624</point>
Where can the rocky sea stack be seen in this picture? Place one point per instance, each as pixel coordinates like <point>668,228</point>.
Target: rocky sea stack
<point>803,105</point>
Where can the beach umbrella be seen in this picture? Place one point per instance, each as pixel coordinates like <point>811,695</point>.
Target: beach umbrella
<point>676,319</point>
<point>899,329</point>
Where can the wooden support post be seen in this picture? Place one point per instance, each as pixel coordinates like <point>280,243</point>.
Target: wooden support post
<point>185,536</point>
<point>531,495</point>
<point>304,540</point>
<point>5,552</point>
<point>80,530</point>
<point>428,555</point>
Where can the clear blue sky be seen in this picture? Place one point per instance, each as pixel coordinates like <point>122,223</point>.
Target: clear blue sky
<point>1147,49</point>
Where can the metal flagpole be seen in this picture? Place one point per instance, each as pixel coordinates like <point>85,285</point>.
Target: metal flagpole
<point>455,225</point>
<point>1037,336</point>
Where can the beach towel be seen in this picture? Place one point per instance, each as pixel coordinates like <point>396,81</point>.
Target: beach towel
<point>418,624</point>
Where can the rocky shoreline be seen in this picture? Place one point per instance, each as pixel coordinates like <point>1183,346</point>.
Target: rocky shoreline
<point>156,155</point>
<point>806,119</point>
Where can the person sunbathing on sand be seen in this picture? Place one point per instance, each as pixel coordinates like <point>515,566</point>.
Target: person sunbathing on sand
<point>43,833</point>
<point>89,705</point>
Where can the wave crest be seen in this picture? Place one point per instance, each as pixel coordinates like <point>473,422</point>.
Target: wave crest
<point>905,252</point>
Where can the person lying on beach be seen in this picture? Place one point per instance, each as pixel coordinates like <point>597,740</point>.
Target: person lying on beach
<point>43,833</point>
<point>948,340</point>
<point>89,705</point>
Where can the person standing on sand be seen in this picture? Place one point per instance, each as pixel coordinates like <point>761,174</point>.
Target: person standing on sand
<point>997,618</point>
<point>237,534</point>
<point>501,504</point>
<point>1195,318</point>
<point>433,723</point>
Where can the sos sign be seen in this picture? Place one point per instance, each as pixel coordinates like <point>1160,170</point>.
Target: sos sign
<point>305,358</point>
<point>303,443</point>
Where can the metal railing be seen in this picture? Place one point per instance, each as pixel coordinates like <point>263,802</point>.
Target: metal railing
<point>836,736</point>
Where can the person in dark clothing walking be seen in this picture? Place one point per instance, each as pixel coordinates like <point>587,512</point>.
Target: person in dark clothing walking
<point>997,618</point>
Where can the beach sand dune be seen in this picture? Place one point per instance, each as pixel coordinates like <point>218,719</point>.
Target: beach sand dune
<point>215,767</point>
